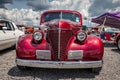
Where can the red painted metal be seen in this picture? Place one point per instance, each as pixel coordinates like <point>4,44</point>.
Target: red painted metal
<point>92,47</point>
<point>26,48</point>
<point>116,38</point>
<point>64,39</point>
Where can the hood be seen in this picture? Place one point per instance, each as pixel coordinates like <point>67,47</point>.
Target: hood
<point>59,34</point>
<point>63,24</point>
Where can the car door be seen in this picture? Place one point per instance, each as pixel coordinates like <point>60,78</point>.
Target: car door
<point>17,32</point>
<point>2,38</point>
<point>10,34</point>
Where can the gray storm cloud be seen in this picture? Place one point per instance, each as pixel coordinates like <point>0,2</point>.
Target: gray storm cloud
<point>99,7</point>
<point>3,2</point>
<point>2,5</point>
<point>38,5</point>
<point>6,1</point>
<point>3,16</point>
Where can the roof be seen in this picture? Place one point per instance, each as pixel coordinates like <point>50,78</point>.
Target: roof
<point>5,20</point>
<point>72,11</point>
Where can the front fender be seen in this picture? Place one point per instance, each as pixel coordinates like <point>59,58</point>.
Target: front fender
<point>93,48</point>
<point>26,49</point>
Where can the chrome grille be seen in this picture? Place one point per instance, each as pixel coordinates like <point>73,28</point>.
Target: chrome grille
<point>64,38</point>
<point>53,37</point>
<point>65,35</point>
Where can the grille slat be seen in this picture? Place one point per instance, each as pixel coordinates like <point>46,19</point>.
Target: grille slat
<point>65,35</point>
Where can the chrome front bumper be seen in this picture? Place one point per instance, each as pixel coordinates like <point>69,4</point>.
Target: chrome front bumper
<point>59,64</point>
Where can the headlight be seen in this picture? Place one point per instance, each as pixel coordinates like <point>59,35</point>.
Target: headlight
<point>37,36</point>
<point>81,36</point>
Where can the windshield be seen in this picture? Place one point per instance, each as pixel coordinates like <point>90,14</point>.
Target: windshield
<point>111,29</point>
<point>61,15</point>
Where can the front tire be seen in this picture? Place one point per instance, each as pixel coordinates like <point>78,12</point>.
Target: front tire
<point>118,44</point>
<point>23,68</point>
<point>13,47</point>
<point>96,70</point>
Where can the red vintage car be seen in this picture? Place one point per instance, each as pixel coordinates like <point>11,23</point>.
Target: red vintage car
<point>117,40</point>
<point>60,43</point>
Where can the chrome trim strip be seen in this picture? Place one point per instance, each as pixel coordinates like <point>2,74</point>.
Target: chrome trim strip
<point>44,50</point>
<point>59,30</point>
<point>59,64</point>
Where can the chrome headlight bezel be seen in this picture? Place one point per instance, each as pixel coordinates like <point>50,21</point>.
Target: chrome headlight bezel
<point>37,36</point>
<point>81,36</point>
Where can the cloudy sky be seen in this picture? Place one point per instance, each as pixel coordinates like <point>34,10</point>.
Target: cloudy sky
<point>26,11</point>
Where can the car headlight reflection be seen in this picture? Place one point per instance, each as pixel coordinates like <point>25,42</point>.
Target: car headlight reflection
<point>81,36</point>
<point>37,36</point>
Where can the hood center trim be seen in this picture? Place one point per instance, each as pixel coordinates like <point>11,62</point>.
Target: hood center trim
<point>59,31</point>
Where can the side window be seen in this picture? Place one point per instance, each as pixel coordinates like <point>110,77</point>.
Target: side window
<point>0,28</point>
<point>12,27</point>
<point>2,24</point>
<point>9,27</point>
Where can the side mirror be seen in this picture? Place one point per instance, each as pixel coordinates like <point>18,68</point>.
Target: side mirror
<point>4,28</point>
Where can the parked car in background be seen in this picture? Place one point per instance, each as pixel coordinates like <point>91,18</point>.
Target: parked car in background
<point>109,33</point>
<point>9,34</point>
<point>112,31</point>
<point>94,31</point>
<point>36,28</point>
<point>21,27</point>
<point>29,29</point>
<point>61,43</point>
<point>117,40</point>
